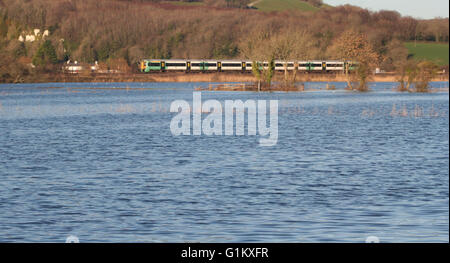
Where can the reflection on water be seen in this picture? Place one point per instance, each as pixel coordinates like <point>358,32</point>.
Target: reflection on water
<point>103,165</point>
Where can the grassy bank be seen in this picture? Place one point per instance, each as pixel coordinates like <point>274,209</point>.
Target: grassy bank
<point>280,5</point>
<point>435,52</point>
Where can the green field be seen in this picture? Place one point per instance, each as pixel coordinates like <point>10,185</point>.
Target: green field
<point>183,3</point>
<point>265,5</point>
<point>429,51</point>
<point>280,5</point>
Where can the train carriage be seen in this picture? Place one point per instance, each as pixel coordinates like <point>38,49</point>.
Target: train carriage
<point>211,65</point>
<point>151,65</point>
<point>335,66</point>
<point>261,65</point>
<point>280,65</point>
<point>197,65</point>
<point>233,65</point>
<point>317,65</point>
<point>176,65</point>
<point>311,66</point>
<point>303,65</point>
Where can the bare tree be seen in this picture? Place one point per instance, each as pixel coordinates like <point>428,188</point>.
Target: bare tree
<point>291,46</point>
<point>259,48</point>
<point>426,71</point>
<point>354,48</point>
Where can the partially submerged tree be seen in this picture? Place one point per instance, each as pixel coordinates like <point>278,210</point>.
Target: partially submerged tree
<point>354,47</point>
<point>416,74</point>
<point>396,59</point>
<point>407,72</point>
<point>426,71</point>
<point>288,46</point>
<point>259,48</point>
<point>292,46</point>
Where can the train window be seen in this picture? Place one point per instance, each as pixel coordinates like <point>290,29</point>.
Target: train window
<point>204,64</point>
<point>231,65</point>
<point>154,64</point>
<point>176,64</point>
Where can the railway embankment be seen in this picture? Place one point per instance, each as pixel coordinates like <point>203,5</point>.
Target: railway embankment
<point>199,77</point>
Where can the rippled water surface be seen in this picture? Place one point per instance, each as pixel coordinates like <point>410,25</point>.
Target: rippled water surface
<point>99,161</point>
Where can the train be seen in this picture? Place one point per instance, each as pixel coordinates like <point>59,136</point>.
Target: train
<point>198,65</point>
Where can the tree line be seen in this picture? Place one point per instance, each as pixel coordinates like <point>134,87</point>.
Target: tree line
<point>122,30</point>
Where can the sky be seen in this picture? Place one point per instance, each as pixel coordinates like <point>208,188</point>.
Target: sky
<point>416,8</point>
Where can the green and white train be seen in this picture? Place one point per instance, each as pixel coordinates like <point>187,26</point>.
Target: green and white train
<point>196,65</point>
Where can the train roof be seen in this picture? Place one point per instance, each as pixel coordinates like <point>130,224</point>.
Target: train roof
<point>230,61</point>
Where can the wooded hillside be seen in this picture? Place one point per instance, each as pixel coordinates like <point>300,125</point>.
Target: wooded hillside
<point>91,30</point>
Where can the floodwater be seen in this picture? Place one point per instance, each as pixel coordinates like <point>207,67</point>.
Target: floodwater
<point>99,161</point>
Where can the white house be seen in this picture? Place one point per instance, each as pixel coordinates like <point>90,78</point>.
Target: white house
<point>30,38</point>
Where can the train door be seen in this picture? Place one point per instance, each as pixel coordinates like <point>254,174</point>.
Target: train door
<point>203,66</point>
<point>219,66</point>
<point>163,66</point>
<point>188,66</point>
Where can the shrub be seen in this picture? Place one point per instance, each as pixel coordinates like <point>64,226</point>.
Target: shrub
<point>426,71</point>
